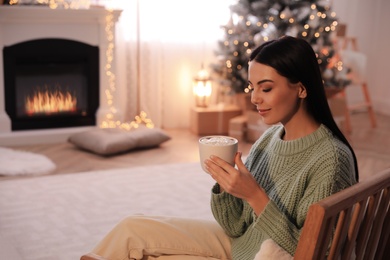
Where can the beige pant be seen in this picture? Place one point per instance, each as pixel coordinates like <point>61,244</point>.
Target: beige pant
<point>151,237</point>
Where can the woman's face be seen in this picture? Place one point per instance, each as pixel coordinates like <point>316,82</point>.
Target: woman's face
<point>276,100</point>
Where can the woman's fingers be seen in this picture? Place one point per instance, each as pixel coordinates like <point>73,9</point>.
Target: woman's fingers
<point>218,165</point>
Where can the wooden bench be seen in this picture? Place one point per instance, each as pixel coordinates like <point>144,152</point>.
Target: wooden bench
<point>359,217</point>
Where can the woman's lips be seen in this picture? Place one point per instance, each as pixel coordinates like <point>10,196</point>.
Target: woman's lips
<point>263,112</point>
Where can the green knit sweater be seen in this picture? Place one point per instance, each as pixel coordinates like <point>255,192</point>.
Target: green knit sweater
<point>294,174</point>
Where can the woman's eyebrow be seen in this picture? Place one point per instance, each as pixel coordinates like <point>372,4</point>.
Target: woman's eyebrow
<point>261,81</point>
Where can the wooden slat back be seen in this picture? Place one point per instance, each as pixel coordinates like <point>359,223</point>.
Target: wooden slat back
<point>358,217</point>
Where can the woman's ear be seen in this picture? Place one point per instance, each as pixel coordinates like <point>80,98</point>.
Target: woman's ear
<point>302,90</point>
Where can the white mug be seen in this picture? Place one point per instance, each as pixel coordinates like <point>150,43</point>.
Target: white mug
<point>225,147</point>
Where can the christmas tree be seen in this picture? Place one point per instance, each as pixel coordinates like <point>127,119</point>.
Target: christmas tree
<point>253,22</point>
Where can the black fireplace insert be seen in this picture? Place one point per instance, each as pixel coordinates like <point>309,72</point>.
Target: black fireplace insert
<point>51,83</point>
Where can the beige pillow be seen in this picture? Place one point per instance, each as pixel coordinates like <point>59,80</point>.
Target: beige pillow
<point>106,141</point>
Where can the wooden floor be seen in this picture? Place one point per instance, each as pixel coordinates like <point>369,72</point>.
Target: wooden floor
<point>372,147</point>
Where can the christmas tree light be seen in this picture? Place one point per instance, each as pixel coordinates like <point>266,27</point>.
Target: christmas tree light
<point>254,22</point>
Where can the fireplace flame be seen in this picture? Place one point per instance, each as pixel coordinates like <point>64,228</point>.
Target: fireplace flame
<point>50,102</point>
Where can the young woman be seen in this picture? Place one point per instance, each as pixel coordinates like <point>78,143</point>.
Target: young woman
<point>302,158</point>
<point>299,161</point>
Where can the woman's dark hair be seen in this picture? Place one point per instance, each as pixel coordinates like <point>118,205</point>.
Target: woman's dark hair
<point>295,59</point>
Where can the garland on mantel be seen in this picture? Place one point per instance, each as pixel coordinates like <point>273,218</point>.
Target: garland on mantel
<point>109,121</point>
<point>53,4</point>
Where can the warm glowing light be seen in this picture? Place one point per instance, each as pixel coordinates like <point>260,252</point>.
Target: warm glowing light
<point>228,64</point>
<point>54,4</point>
<point>339,65</point>
<point>50,102</point>
<point>248,89</point>
<point>202,88</point>
<point>325,51</point>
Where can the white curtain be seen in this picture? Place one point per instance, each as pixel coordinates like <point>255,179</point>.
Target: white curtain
<point>160,47</point>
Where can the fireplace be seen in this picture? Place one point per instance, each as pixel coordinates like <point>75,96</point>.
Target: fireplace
<point>50,54</point>
<point>51,83</point>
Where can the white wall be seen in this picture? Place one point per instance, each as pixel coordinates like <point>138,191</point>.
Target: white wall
<point>368,21</point>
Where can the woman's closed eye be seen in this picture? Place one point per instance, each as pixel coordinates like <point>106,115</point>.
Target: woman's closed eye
<point>265,89</point>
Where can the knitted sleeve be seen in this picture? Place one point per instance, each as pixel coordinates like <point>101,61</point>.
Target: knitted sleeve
<point>330,174</point>
<point>228,211</point>
<point>231,212</point>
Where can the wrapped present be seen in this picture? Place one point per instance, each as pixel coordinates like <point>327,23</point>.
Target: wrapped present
<point>237,127</point>
<point>255,126</point>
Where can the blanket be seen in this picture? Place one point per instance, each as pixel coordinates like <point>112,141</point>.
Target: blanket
<point>64,216</point>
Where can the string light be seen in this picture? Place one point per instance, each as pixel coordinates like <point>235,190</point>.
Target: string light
<point>109,121</point>
<point>63,4</point>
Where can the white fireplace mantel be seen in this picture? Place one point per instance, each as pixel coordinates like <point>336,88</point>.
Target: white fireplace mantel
<point>24,23</point>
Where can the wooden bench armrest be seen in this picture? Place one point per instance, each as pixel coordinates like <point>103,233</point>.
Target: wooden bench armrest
<point>357,217</point>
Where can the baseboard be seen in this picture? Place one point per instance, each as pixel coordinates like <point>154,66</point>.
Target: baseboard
<point>34,137</point>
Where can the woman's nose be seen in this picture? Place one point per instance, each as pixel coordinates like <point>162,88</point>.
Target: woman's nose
<point>255,98</point>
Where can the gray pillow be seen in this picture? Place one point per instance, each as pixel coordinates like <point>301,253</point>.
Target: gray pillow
<point>108,141</point>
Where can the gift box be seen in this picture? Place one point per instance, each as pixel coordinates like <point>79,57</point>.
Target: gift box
<point>248,127</point>
<point>243,100</point>
<point>255,126</point>
<point>338,107</point>
<point>237,127</point>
